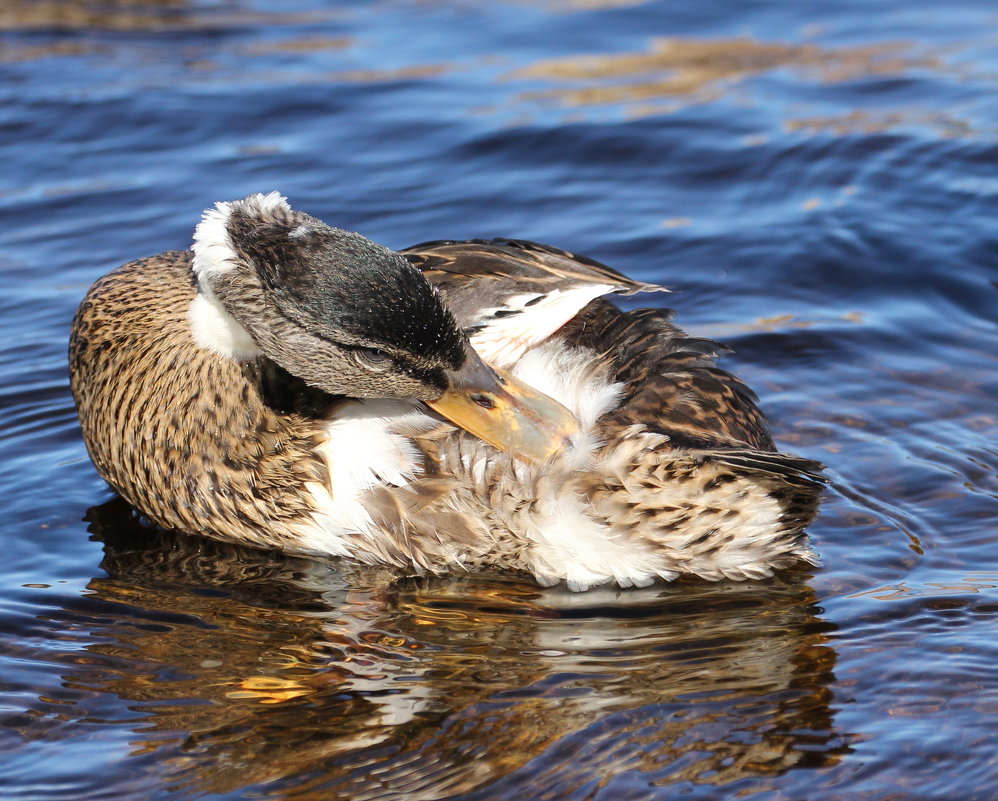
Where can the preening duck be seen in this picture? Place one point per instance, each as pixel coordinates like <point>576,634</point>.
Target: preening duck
<point>456,405</point>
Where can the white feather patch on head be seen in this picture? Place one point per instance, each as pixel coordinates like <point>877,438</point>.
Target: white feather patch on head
<point>273,204</point>
<point>215,329</point>
<point>214,253</point>
<point>504,340</point>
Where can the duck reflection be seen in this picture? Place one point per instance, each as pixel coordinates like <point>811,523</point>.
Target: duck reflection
<point>247,668</point>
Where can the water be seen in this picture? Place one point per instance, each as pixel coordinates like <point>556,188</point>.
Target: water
<point>818,184</point>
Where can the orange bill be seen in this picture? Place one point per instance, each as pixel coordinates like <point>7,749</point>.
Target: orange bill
<point>505,412</point>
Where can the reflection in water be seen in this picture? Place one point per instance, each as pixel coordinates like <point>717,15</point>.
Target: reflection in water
<point>132,15</point>
<point>123,15</point>
<point>241,667</point>
<point>701,70</point>
<point>670,74</point>
<point>572,6</point>
<point>62,22</point>
<point>863,121</point>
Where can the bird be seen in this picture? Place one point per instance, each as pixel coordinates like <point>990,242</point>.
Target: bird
<point>451,407</point>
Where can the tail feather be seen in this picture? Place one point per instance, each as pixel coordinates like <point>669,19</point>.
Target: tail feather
<point>784,465</point>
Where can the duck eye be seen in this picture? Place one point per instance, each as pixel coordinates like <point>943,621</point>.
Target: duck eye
<point>373,358</point>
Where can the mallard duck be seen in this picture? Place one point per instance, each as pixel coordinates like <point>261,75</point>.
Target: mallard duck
<point>456,405</point>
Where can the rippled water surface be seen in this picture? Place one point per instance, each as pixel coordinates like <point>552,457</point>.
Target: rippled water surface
<point>819,185</point>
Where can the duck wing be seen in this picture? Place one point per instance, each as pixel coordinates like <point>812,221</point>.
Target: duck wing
<point>672,384</point>
<point>511,294</point>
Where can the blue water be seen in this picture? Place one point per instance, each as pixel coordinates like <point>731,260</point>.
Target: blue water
<point>819,185</point>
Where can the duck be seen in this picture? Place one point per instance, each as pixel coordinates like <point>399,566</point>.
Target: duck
<point>454,406</point>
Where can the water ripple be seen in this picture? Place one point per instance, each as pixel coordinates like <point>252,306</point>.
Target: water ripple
<point>816,186</point>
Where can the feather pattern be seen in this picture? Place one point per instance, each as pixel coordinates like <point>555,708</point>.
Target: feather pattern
<point>673,470</point>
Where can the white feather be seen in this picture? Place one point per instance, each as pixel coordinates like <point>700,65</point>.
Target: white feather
<point>567,375</point>
<point>571,545</point>
<point>214,255</point>
<point>503,341</point>
<point>215,329</point>
<point>367,443</point>
<point>213,250</point>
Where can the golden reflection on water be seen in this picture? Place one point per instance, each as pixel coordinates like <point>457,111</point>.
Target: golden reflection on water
<point>865,122</point>
<point>670,74</point>
<point>675,66</point>
<point>675,72</point>
<point>134,15</point>
<point>245,667</point>
<point>305,44</point>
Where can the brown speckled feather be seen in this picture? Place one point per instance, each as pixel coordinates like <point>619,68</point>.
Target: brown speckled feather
<point>192,441</point>
<point>672,384</point>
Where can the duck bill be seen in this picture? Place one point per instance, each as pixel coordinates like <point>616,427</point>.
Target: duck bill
<point>505,412</point>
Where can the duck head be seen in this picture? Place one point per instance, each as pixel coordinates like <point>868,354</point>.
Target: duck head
<point>352,318</point>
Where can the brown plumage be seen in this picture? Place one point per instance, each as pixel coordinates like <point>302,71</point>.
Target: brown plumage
<point>189,415</point>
